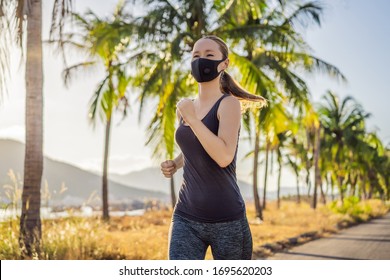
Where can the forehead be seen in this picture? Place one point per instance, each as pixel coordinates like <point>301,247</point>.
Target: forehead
<point>205,44</point>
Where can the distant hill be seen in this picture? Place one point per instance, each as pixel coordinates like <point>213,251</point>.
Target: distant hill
<point>152,179</point>
<point>148,179</point>
<point>81,185</point>
<point>136,186</point>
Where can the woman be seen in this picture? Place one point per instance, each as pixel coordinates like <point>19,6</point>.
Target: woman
<point>210,210</point>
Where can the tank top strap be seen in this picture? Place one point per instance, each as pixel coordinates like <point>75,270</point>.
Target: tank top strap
<point>216,105</point>
<point>214,109</point>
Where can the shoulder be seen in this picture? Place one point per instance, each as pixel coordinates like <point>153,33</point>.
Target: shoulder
<point>178,116</point>
<point>229,105</point>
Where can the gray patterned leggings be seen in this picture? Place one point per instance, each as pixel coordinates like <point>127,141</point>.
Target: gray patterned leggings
<point>189,240</point>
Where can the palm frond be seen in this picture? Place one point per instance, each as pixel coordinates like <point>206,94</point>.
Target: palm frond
<point>70,71</point>
<point>305,13</point>
<point>96,101</point>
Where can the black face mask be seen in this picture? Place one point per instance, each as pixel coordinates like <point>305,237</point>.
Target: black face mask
<point>205,70</point>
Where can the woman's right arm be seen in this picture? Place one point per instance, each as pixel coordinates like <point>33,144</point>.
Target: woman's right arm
<point>169,167</point>
<point>179,161</point>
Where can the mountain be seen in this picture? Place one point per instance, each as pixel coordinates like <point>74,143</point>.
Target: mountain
<point>152,179</point>
<point>148,179</point>
<point>81,186</point>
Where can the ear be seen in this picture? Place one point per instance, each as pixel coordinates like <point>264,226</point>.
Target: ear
<point>225,64</point>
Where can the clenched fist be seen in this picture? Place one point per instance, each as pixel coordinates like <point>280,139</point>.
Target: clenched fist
<point>168,168</point>
<point>186,109</point>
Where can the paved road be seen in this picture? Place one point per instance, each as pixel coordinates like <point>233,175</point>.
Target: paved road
<point>370,240</point>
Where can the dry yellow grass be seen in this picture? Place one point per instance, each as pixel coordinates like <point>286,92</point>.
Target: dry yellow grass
<point>146,237</point>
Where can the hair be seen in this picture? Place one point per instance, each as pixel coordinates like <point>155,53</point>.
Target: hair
<point>230,86</point>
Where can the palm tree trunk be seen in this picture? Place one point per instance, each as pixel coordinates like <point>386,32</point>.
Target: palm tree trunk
<point>259,212</point>
<point>387,181</point>
<point>298,194</point>
<point>363,187</point>
<point>340,178</point>
<point>266,175</point>
<point>279,177</point>
<point>30,220</point>
<point>323,196</point>
<point>308,184</point>
<point>340,182</point>
<point>332,189</point>
<point>354,180</point>
<point>317,174</point>
<point>173,193</point>
<point>296,171</point>
<point>106,215</point>
<point>370,187</point>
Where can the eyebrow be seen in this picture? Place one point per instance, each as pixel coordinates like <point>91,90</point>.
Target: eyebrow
<point>205,51</point>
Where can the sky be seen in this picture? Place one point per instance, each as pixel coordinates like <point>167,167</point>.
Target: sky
<point>354,36</point>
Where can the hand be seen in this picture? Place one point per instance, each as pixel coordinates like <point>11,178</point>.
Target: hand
<point>186,109</point>
<point>168,168</point>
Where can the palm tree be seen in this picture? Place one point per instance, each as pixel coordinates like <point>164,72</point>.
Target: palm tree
<point>283,137</point>
<point>316,159</point>
<point>162,126</point>
<point>275,121</point>
<point>262,39</point>
<point>273,50</point>
<point>343,123</point>
<point>20,13</point>
<point>369,160</point>
<point>360,157</point>
<point>384,172</point>
<point>247,125</point>
<point>294,160</point>
<point>167,32</point>
<point>105,41</point>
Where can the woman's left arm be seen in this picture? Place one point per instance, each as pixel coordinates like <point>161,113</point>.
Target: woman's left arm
<point>222,147</point>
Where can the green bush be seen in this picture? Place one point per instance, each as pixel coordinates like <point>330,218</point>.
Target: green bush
<point>355,208</point>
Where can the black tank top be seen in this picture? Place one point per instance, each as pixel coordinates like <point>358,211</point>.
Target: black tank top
<point>209,193</point>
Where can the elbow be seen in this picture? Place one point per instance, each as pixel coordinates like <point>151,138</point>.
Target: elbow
<point>225,162</point>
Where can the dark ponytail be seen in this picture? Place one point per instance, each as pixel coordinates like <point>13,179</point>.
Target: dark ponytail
<point>228,85</point>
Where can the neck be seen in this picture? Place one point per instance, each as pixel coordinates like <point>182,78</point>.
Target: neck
<point>209,90</point>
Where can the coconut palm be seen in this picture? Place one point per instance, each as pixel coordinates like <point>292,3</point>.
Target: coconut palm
<point>293,158</point>
<point>166,34</point>
<point>24,20</point>
<point>273,52</point>
<point>162,125</point>
<point>264,45</point>
<point>316,159</point>
<point>368,159</point>
<point>283,138</point>
<point>384,172</point>
<point>275,121</point>
<point>343,123</point>
<point>359,154</point>
<point>105,41</point>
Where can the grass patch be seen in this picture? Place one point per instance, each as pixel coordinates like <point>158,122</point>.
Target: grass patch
<point>145,237</point>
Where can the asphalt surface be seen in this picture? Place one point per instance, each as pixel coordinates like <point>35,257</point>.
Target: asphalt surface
<point>367,241</point>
